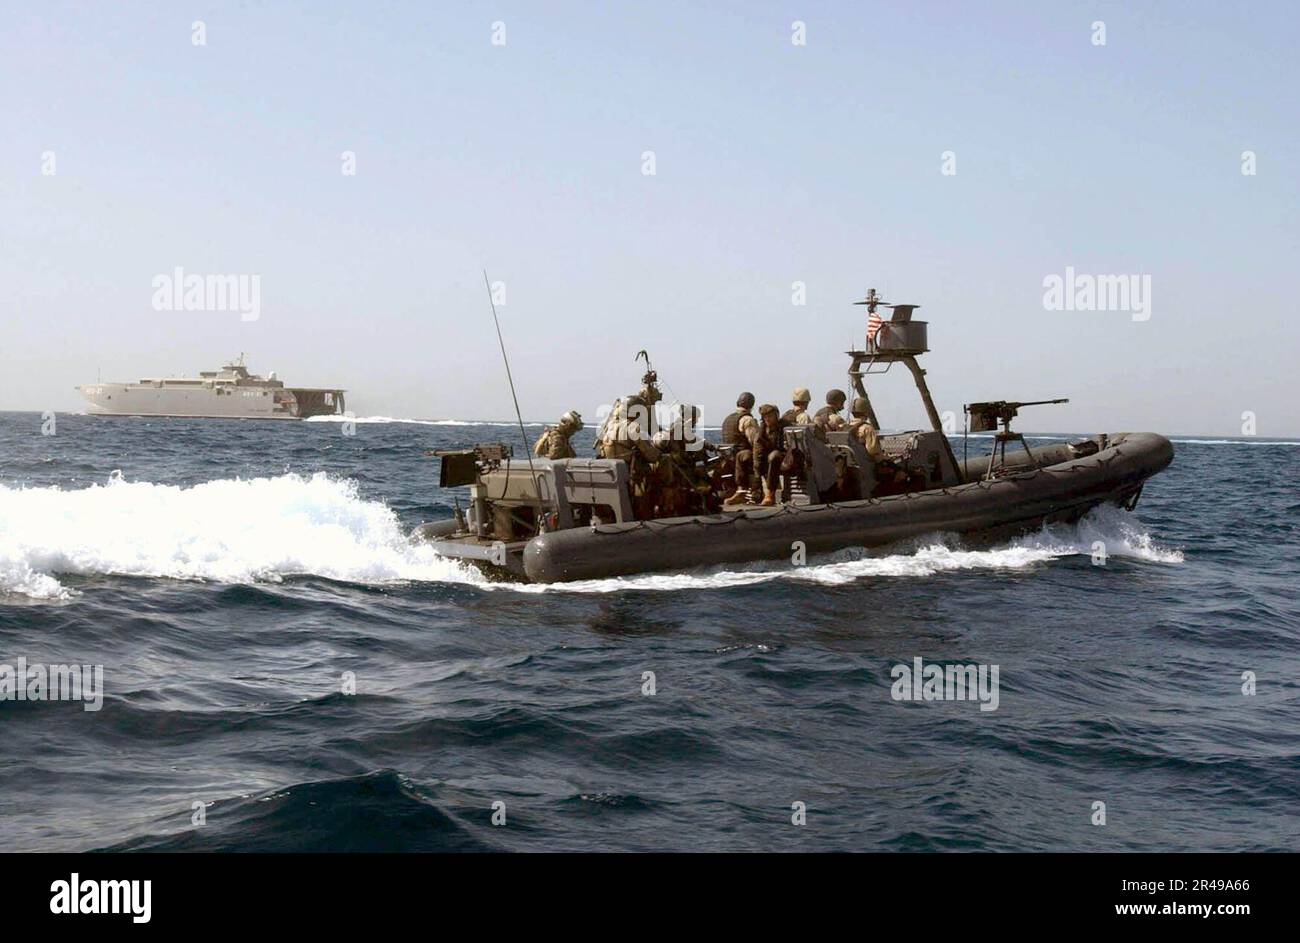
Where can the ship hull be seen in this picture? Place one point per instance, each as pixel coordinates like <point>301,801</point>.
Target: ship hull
<point>122,399</point>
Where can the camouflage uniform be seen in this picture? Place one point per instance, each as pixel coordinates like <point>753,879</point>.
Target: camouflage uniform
<point>768,446</point>
<point>624,437</point>
<point>735,443</point>
<point>684,481</point>
<point>627,438</point>
<point>860,428</point>
<point>828,417</point>
<point>554,441</point>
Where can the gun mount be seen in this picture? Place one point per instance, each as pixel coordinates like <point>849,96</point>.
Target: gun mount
<point>984,417</point>
<point>463,466</point>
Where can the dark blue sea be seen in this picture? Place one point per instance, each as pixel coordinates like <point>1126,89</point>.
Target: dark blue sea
<point>230,577</point>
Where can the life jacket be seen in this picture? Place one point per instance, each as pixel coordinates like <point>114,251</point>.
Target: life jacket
<point>731,434</point>
<point>553,445</point>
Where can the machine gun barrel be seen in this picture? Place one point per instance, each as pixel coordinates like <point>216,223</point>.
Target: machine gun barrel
<point>999,405</point>
<point>986,416</point>
<point>1039,402</point>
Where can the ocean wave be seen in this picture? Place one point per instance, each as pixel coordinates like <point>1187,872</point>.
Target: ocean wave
<point>267,529</point>
<point>380,811</point>
<point>231,530</point>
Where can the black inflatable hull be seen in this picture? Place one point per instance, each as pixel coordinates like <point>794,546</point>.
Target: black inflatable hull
<point>1006,506</point>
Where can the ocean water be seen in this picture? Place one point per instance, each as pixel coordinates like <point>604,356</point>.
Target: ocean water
<point>228,577</point>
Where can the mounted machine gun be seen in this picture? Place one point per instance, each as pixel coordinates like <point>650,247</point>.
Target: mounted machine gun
<point>984,417</point>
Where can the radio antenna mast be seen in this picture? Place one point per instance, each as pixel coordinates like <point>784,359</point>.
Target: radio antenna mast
<point>528,453</point>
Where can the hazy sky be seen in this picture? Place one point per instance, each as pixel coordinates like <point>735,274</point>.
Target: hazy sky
<point>775,163</point>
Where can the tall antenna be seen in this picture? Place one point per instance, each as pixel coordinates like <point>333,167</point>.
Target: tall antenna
<point>518,415</point>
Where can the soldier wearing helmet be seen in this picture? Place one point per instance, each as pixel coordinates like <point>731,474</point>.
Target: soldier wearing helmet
<point>765,457</point>
<point>732,434</point>
<point>554,441</point>
<point>684,482</point>
<point>628,433</point>
<point>862,428</point>
<point>735,444</point>
<point>798,414</point>
<point>768,444</point>
<point>828,417</point>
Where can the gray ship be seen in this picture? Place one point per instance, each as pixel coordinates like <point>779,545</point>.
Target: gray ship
<point>229,393</point>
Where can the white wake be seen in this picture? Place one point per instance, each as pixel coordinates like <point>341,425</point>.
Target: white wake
<point>232,531</point>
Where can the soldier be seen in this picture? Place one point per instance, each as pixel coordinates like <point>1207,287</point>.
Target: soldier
<point>631,418</point>
<point>554,442</point>
<point>684,434</point>
<point>735,445</point>
<point>731,434</point>
<point>798,415</point>
<point>626,435</point>
<point>862,429</point>
<point>828,417</point>
<point>683,478</point>
<point>767,442</point>
<point>765,457</point>
<point>627,431</point>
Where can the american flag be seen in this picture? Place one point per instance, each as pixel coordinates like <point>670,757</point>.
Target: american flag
<point>873,327</point>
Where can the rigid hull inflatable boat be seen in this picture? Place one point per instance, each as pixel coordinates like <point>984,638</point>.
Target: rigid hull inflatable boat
<point>573,519</point>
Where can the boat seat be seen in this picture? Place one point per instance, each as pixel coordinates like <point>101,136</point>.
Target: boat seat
<point>861,462</point>
<point>818,475</point>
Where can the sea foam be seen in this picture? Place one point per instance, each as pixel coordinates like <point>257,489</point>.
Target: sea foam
<point>229,530</point>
